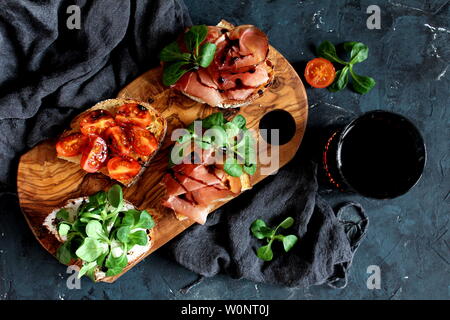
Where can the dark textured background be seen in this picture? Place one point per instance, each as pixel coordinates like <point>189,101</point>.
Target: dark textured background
<point>408,236</point>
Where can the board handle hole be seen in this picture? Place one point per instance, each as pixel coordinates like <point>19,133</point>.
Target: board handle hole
<point>281,120</point>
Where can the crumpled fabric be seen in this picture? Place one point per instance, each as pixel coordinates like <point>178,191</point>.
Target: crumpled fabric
<point>49,72</point>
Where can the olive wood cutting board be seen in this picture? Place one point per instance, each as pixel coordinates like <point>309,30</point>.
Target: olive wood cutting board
<point>45,183</point>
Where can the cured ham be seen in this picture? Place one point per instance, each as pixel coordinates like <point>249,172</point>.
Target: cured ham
<point>191,189</point>
<point>252,78</point>
<point>188,183</point>
<point>206,79</point>
<point>194,212</point>
<point>239,68</point>
<point>239,94</point>
<point>251,48</point>
<point>210,194</point>
<point>202,173</point>
<point>173,187</point>
<point>189,83</point>
<point>214,33</point>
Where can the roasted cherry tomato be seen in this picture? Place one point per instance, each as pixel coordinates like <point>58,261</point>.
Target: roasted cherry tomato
<point>117,141</point>
<point>71,145</point>
<point>143,141</point>
<point>123,169</point>
<point>94,155</point>
<point>96,122</point>
<point>133,114</point>
<point>320,73</point>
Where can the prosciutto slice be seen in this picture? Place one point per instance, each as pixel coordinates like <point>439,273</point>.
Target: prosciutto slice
<point>173,187</point>
<point>189,83</point>
<point>197,213</point>
<point>188,183</point>
<point>202,173</point>
<point>198,173</point>
<point>253,47</point>
<point>206,79</point>
<point>239,94</point>
<point>191,189</point>
<point>252,78</point>
<point>238,69</point>
<point>210,195</point>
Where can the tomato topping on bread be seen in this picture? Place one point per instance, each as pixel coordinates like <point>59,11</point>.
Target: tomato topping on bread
<point>94,154</point>
<point>123,169</point>
<point>117,141</point>
<point>117,137</point>
<point>96,122</point>
<point>133,114</point>
<point>143,141</point>
<point>71,145</point>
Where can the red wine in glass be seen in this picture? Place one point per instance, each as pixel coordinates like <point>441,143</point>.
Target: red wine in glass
<point>379,155</point>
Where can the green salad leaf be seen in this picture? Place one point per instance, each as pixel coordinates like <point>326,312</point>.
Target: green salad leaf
<point>176,62</point>
<point>91,249</point>
<point>195,36</point>
<point>287,223</point>
<point>138,237</point>
<point>265,252</point>
<point>172,53</point>
<point>174,71</point>
<point>327,50</point>
<point>359,52</point>
<point>88,269</point>
<point>63,229</point>
<point>206,55</point>
<point>362,84</point>
<point>261,231</point>
<point>239,121</point>
<point>63,214</point>
<point>342,80</point>
<point>115,196</point>
<point>229,137</point>
<point>289,241</point>
<point>232,167</point>
<point>215,119</point>
<point>64,254</point>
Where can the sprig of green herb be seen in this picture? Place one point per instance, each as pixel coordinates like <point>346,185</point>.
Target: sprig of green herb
<point>261,231</point>
<point>102,232</point>
<point>177,63</point>
<point>231,137</point>
<point>358,53</point>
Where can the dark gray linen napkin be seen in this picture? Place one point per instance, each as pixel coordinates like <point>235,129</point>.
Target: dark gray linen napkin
<point>49,72</point>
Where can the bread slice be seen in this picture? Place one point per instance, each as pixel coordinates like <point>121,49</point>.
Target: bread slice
<point>258,91</point>
<point>158,127</point>
<point>72,206</point>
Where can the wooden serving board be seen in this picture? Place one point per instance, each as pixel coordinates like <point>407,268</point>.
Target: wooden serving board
<point>45,183</point>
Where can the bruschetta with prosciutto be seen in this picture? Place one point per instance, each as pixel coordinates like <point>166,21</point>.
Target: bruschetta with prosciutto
<point>208,171</point>
<point>193,189</point>
<point>239,72</point>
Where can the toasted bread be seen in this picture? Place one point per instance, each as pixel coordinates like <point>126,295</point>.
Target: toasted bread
<point>158,128</point>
